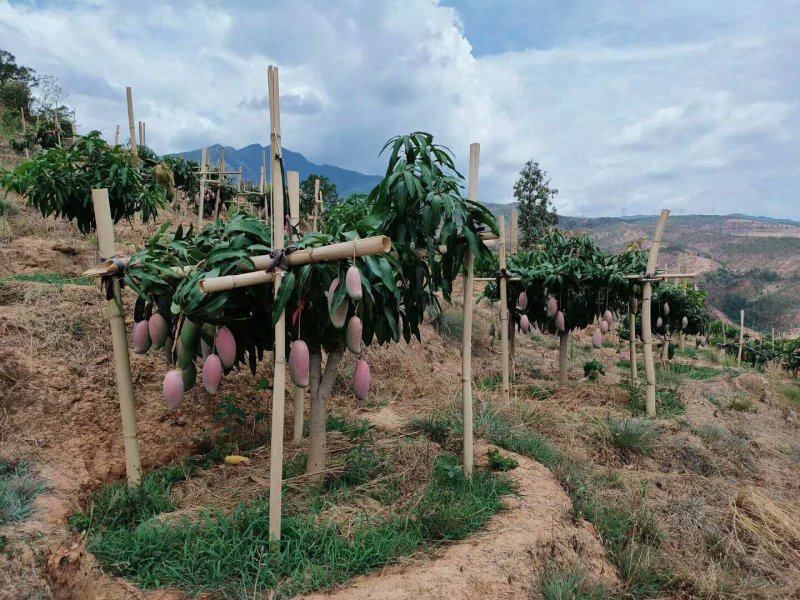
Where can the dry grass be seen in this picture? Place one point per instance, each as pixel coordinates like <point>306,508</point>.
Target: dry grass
<point>764,528</point>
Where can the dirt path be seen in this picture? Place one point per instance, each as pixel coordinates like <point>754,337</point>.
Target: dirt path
<point>502,561</point>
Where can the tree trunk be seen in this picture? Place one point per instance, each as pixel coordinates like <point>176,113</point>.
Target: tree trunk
<point>321,388</point>
<point>665,348</point>
<point>563,358</point>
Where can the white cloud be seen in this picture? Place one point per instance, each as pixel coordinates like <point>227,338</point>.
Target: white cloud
<point>693,106</point>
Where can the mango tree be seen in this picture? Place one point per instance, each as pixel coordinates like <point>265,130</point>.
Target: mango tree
<point>678,309</point>
<point>59,181</point>
<point>331,306</point>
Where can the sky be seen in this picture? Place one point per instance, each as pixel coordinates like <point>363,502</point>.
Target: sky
<point>629,106</point>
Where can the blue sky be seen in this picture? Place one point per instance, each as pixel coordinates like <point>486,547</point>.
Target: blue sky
<point>630,106</point>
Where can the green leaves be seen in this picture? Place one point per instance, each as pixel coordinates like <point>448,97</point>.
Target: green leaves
<point>59,181</point>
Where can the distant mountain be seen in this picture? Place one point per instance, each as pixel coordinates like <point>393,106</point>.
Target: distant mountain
<point>249,158</point>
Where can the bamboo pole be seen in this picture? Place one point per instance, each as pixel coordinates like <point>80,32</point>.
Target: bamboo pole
<point>293,183</point>
<point>505,389</point>
<point>514,231</point>
<point>129,93</point>
<point>316,206</point>
<point>220,180</point>
<point>144,132</point>
<point>466,336</point>
<point>119,337</point>
<point>202,207</point>
<point>773,336</point>
<point>279,386</point>
<point>116,136</point>
<point>264,182</point>
<point>632,340</point>
<point>58,126</point>
<point>647,334</point>
<point>741,338</point>
<point>24,131</point>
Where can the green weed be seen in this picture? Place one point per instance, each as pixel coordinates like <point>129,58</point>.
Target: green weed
<point>18,489</point>
<point>559,583</point>
<point>8,208</point>
<point>668,406</point>
<point>792,394</point>
<point>498,462</point>
<point>51,278</point>
<point>232,553</point>
<point>536,392</point>
<point>629,437</point>
<point>693,372</point>
<point>593,369</point>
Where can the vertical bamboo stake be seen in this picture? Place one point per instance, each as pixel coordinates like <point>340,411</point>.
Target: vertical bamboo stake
<point>647,334</point>
<point>632,340</point>
<point>119,337</point>
<point>264,182</point>
<point>220,180</point>
<point>279,386</point>
<point>293,183</point>
<point>129,93</point>
<point>466,336</point>
<point>141,137</point>
<point>514,231</point>
<point>58,126</point>
<point>24,131</point>
<point>501,221</point>
<point>316,206</point>
<point>201,208</point>
<point>116,136</point>
<point>144,133</point>
<point>741,338</point>
<point>773,336</point>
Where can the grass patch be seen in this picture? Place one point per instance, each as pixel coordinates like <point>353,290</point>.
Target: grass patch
<point>535,392</point>
<point>18,489</point>
<point>231,553</point>
<point>491,382</point>
<point>228,553</point>
<point>710,432</point>
<point>629,530</point>
<point>50,278</point>
<point>686,352</point>
<point>629,437</point>
<point>8,208</point>
<point>791,394</point>
<point>449,323</point>
<point>693,372</point>
<point>741,403</point>
<point>668,405</point>
<point>559,583</point>
<point>498,462</point>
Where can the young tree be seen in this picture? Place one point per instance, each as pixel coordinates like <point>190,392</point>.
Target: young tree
<point>329,193</point>
<point>15,83</point>
<point>535,197</point>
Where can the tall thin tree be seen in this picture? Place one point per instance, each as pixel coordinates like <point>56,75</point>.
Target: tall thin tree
<point>535,195</point>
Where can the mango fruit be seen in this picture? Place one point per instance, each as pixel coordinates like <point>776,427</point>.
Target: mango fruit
<point>141,337</point>
<point>299,363</point>
<point>361,380</point>
<point>353,336</point>
<point>212,373</point>
<point>353,282</point>
<point>173,388</point>
<point>226,347</point>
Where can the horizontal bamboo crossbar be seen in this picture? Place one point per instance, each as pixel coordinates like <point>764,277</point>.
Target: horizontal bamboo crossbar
<point>495,279</point>
<point>660,276</point>
<point>367,247</point>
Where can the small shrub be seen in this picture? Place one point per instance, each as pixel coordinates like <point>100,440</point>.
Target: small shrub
<point>438,427</point>
<point>593,369</point>
<point>629,437</point>
<point>687,352</point>
<point>498,462</point>
<point>489,383</point>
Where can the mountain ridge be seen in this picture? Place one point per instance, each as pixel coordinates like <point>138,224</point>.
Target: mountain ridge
<point>249,158</point>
